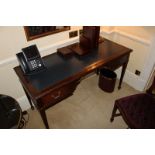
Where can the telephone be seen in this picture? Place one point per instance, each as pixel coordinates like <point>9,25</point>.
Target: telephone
<point>30,60</point>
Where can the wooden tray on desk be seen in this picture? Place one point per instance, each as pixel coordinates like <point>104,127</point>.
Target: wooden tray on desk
<point>64,51</point>
<point>76,48</point>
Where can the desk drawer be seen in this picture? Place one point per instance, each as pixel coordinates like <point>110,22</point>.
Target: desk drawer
<point>57,95</point>
<point>117,63</point>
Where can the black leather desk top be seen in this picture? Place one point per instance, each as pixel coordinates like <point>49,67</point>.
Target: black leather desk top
<point>59,68</point>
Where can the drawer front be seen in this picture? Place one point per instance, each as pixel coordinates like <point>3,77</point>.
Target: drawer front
<point>117,63</point>
<point>57,95</point>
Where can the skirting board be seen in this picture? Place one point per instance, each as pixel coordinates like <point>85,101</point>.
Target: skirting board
<point>131,79</point>
<point>24,103</point>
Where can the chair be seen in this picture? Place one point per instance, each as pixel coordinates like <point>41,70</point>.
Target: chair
<point>138,111</point>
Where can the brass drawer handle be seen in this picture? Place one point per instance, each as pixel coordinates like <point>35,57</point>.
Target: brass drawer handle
<point>56,96</point>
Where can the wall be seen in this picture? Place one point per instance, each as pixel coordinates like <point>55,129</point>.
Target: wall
<point>146,32</point>
<point>12,39</point>
<point>142,41</point>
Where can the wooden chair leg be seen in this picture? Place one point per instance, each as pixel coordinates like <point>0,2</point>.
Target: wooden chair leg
<point>113,113</point>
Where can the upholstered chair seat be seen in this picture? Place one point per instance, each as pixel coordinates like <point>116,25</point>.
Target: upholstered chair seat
<point>138,111</point>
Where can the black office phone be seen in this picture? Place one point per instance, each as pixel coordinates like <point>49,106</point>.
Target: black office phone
<point>30,60</point>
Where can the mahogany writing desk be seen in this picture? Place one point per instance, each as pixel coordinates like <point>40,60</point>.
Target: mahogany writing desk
<point>62,74</point>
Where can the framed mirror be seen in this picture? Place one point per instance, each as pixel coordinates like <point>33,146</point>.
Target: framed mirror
<point>34,32</point>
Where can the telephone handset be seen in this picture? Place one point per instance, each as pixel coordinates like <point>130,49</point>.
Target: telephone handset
<point>30,60</point>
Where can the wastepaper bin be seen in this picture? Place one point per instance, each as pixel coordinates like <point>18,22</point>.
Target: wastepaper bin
<point>107,79</point>
<point>10,112</point>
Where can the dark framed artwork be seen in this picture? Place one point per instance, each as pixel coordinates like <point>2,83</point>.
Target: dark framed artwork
<point>34,32</point>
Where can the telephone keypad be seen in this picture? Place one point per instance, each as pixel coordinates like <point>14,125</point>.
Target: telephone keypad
<point>35,64</point>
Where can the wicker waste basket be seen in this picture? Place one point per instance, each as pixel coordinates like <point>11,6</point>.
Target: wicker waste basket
<point>107,80</point>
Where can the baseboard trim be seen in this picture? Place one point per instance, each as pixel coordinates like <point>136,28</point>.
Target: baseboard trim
<point>133,80</point>
<point>24,103</point>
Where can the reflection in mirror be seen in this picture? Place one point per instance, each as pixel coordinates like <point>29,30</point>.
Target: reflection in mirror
<point>34,32</point>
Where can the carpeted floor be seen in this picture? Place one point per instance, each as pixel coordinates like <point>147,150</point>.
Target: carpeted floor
<point>88,108</point>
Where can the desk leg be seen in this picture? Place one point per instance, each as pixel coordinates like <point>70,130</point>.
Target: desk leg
<point>44,118</point>
<point>97,71</point>
<point>29,99</point>
<point>122,74</point>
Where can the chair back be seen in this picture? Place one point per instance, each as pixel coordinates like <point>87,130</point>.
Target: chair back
<point>151,90</point>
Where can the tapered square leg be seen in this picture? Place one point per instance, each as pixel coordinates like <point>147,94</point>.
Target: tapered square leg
<point>113,113</point>
<point>44,118</point>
